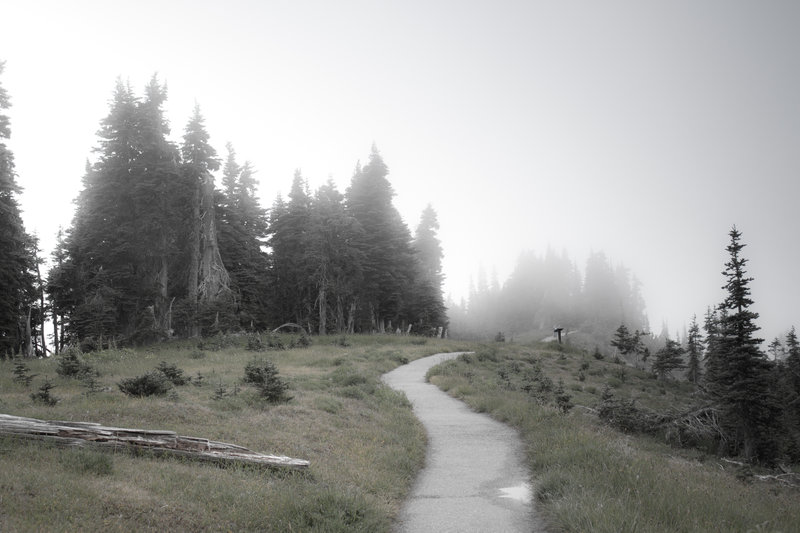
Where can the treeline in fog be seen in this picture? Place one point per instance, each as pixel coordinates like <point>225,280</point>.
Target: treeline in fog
<point>548,291</point>
<point>156,249</point>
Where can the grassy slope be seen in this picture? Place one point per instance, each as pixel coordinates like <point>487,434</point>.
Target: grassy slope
<point>591,478</point>
<point>361,438</point>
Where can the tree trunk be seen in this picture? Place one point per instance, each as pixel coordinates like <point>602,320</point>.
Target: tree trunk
<point>214,278</point>
<point>156,442</point>
<point>323,311</point>
<point>55,334</point>
<point>351,318</point>
<point>28,336</point>
<point>340,324</point>
<point>41,303</point>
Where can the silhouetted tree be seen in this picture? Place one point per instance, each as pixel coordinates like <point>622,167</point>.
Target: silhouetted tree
<point>668,358</point>
<point>694,347</point>
<point>17,262</point>
<point>388,266</point>
<point>738,375</point>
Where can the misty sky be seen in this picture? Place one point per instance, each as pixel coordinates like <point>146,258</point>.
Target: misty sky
<point>643,129</point>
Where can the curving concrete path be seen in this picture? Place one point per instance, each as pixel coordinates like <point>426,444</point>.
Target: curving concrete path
<point>474,478</point>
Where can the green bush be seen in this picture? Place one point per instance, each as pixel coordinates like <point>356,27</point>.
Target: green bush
<point>70,364</point>
<point>153,383</point>
<point>43,394</point>
<point>173,373</point>
<point>264,375</point>
<point>22,374</point>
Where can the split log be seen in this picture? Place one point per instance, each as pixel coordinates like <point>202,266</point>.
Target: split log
<point>155,442</point>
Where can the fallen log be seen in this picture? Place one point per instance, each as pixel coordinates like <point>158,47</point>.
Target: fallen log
<point>155,442</point>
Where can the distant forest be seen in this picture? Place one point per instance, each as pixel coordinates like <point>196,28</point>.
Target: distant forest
<point>549,291</point>
<point>156,249</point>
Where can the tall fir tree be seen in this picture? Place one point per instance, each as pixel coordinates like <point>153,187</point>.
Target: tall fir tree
<point>668,358</point>
<point>427,308</point>
<point>199,161</point>
<point>739,373</point>
<point>694,349</point>
<point>243,233</point>
<point>17,262</point>
<point>388,267</point>
<point>333,264</point>
<point>289,274</point>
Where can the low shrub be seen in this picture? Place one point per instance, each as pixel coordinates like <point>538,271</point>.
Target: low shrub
<point>264,375</point>
<point>43,394</point>
<point>70,364</point>
<point>173,373</point>
<point>153,383</point>
<point>22,374</point>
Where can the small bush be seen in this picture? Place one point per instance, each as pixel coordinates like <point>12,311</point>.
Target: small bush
<point>91,384</point>
<point>43,394</point>
<point>264,375</point>
<point>153,383</point>
<point>342,341</point>
<point>22,374</point>
<point>500,337</point>
<point>614,382</point>
<point>563,400</point>
<point>596,354</point>
<point>70,364</point>
<point>255,343</point>
<point>221,391</point>
<point>173,373</point>
<point>303,341</point>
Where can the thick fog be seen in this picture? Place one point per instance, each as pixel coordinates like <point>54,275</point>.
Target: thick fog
<point>643,130</point>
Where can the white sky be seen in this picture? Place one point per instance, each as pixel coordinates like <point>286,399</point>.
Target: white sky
<point>644,129</point>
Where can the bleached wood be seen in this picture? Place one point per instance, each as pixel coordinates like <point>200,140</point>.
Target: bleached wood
<point>156,442</point>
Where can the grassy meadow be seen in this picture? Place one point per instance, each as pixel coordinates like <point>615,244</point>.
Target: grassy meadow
<point>589,477</point>
<point>363,443</point>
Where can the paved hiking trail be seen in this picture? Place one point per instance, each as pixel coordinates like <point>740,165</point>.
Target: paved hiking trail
<point>474,479</point>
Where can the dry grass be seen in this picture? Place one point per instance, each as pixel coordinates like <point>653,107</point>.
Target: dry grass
<point>591,478</point>
<point>364,445</point>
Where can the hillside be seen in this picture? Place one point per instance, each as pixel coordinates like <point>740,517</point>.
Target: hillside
<point>361,439</point>
<point>591,477</point>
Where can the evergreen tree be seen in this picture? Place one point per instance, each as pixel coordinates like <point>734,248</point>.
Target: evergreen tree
<point>199,161</point>
<point>740,375</point>
<point>388,267</point>
<point>289,275</point>
<point>694,348</point>
<point>59,287</point>
<point>243,234</point>
<point>333,264</point>
<point>17,262</point>
<point>427,307</point>
<point>668,358</point>
<point>159,197</point>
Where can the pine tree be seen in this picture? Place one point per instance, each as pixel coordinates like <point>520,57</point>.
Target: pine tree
<point>388,266</point>
<point>739,377</point>
<point>243,232</point>
<point>17,263</point>
<point>668,358</point>
<point>427,307</point>
<point>199,161</point>
<point>332,263</point>
<point>694,348</point>
<point>289,275</point>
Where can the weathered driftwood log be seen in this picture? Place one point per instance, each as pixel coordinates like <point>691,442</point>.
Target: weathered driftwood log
<point>155,442</point>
